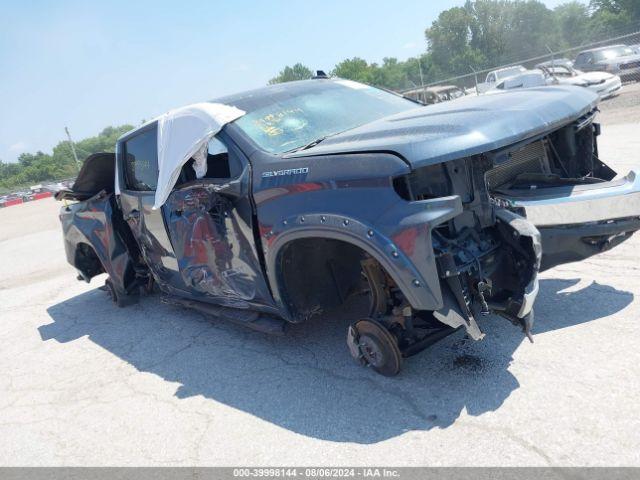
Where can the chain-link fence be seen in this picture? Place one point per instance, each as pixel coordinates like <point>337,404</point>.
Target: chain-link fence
<point>602,55</point>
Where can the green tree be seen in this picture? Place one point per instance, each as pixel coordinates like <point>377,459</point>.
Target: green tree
<point>629,8</point>
<point>8,169</point>
<point>391,74</point>
<point>355,69</point>
<point>37,167</point>
<point>289,74</point>
<point>531,28</point>
<point>613,17</point>
<point>449,36</point>
<point>573,22</point>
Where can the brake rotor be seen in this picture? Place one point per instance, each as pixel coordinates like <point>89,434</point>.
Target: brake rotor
<point>373,345</point>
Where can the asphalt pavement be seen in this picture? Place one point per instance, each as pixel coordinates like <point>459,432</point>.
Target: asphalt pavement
<point>85,383</point>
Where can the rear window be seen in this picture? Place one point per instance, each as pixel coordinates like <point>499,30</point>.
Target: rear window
<point>141,161</point>
<point>581,58</point>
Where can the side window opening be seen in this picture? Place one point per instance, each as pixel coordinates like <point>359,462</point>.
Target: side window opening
<point>218,165</point>
<point>141,161</point>
<point>217,160</point>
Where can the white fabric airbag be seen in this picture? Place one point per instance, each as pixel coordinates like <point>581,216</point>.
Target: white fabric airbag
<point>184,133</point>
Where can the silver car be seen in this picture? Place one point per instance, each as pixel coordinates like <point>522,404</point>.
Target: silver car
<point>620,60</point>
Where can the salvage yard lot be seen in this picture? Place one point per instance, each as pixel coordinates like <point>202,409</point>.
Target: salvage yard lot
<point>86,383</point>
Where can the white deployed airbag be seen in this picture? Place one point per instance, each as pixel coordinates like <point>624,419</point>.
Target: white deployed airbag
<point>200,160</point>
<point>183,133</point>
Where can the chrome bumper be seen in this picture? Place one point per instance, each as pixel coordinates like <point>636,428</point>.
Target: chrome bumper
<point>529,297</point>
<point>608,89</point>
<point>581,204</point>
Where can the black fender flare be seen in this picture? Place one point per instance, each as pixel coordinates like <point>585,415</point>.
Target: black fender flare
<point>366,237</point>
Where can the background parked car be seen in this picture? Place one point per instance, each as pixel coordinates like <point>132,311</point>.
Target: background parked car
<point>565,62</point>
<point>26,196</point>
<point>604,84</point>
<point>619,59</point>
<point>495,76</point>
<point>437,94</point>
<point>525,79</point>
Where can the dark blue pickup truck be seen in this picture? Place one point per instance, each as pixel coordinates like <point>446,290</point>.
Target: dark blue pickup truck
<point>274,205</point>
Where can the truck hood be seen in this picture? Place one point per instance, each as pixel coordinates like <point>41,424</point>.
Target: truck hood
<point>469,126</point>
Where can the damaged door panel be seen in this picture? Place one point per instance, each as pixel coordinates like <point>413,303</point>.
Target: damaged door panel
<point>272,206</point>
<point>214,248</point>
<point>138,152</point>
<point>97,239</point>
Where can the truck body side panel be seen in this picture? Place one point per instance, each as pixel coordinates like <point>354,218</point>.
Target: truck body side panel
<point>96,225</point>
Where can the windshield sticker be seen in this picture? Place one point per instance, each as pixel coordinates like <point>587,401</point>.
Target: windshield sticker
<point>275,124</point>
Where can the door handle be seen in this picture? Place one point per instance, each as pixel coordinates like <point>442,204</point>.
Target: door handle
<point>133,215</point>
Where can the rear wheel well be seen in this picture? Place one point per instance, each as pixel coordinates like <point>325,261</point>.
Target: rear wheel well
<point>86,260</point>
<point>317,274</point>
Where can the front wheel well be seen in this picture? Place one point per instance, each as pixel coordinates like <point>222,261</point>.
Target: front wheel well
<point>317,274</point>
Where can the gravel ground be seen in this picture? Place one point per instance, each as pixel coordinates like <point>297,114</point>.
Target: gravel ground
<point>622,107</point>
<point>86,383</point>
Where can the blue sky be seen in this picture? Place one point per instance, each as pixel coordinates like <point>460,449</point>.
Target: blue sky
<point>88,65</point>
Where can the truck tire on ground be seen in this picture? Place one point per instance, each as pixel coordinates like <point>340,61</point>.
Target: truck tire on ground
<point>115,297</point>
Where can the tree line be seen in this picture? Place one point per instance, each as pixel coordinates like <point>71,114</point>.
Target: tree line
<point>488,33</point>
<point>33,168</point>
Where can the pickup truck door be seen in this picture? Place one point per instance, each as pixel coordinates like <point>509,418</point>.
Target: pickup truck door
<point>210,225</point>
<point>138,169</point>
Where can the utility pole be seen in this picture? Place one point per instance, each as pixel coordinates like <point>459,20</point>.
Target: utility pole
<point>551,52</point>
<point>73,148</point>
<point>420,67</point>
<point>475,76</point>
<point>553,64</point>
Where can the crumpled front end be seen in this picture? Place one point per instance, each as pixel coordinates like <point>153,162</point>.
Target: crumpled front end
<point>527,207</point>
<point>487,257</point>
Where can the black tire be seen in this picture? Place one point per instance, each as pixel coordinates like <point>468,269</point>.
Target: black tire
<point>115,297</point>
<point>379,347</point>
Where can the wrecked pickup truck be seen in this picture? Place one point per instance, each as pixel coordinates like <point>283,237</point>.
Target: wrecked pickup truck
<point>271,206</point>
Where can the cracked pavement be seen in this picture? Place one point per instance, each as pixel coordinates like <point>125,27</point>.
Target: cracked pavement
<point>85,383</point>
